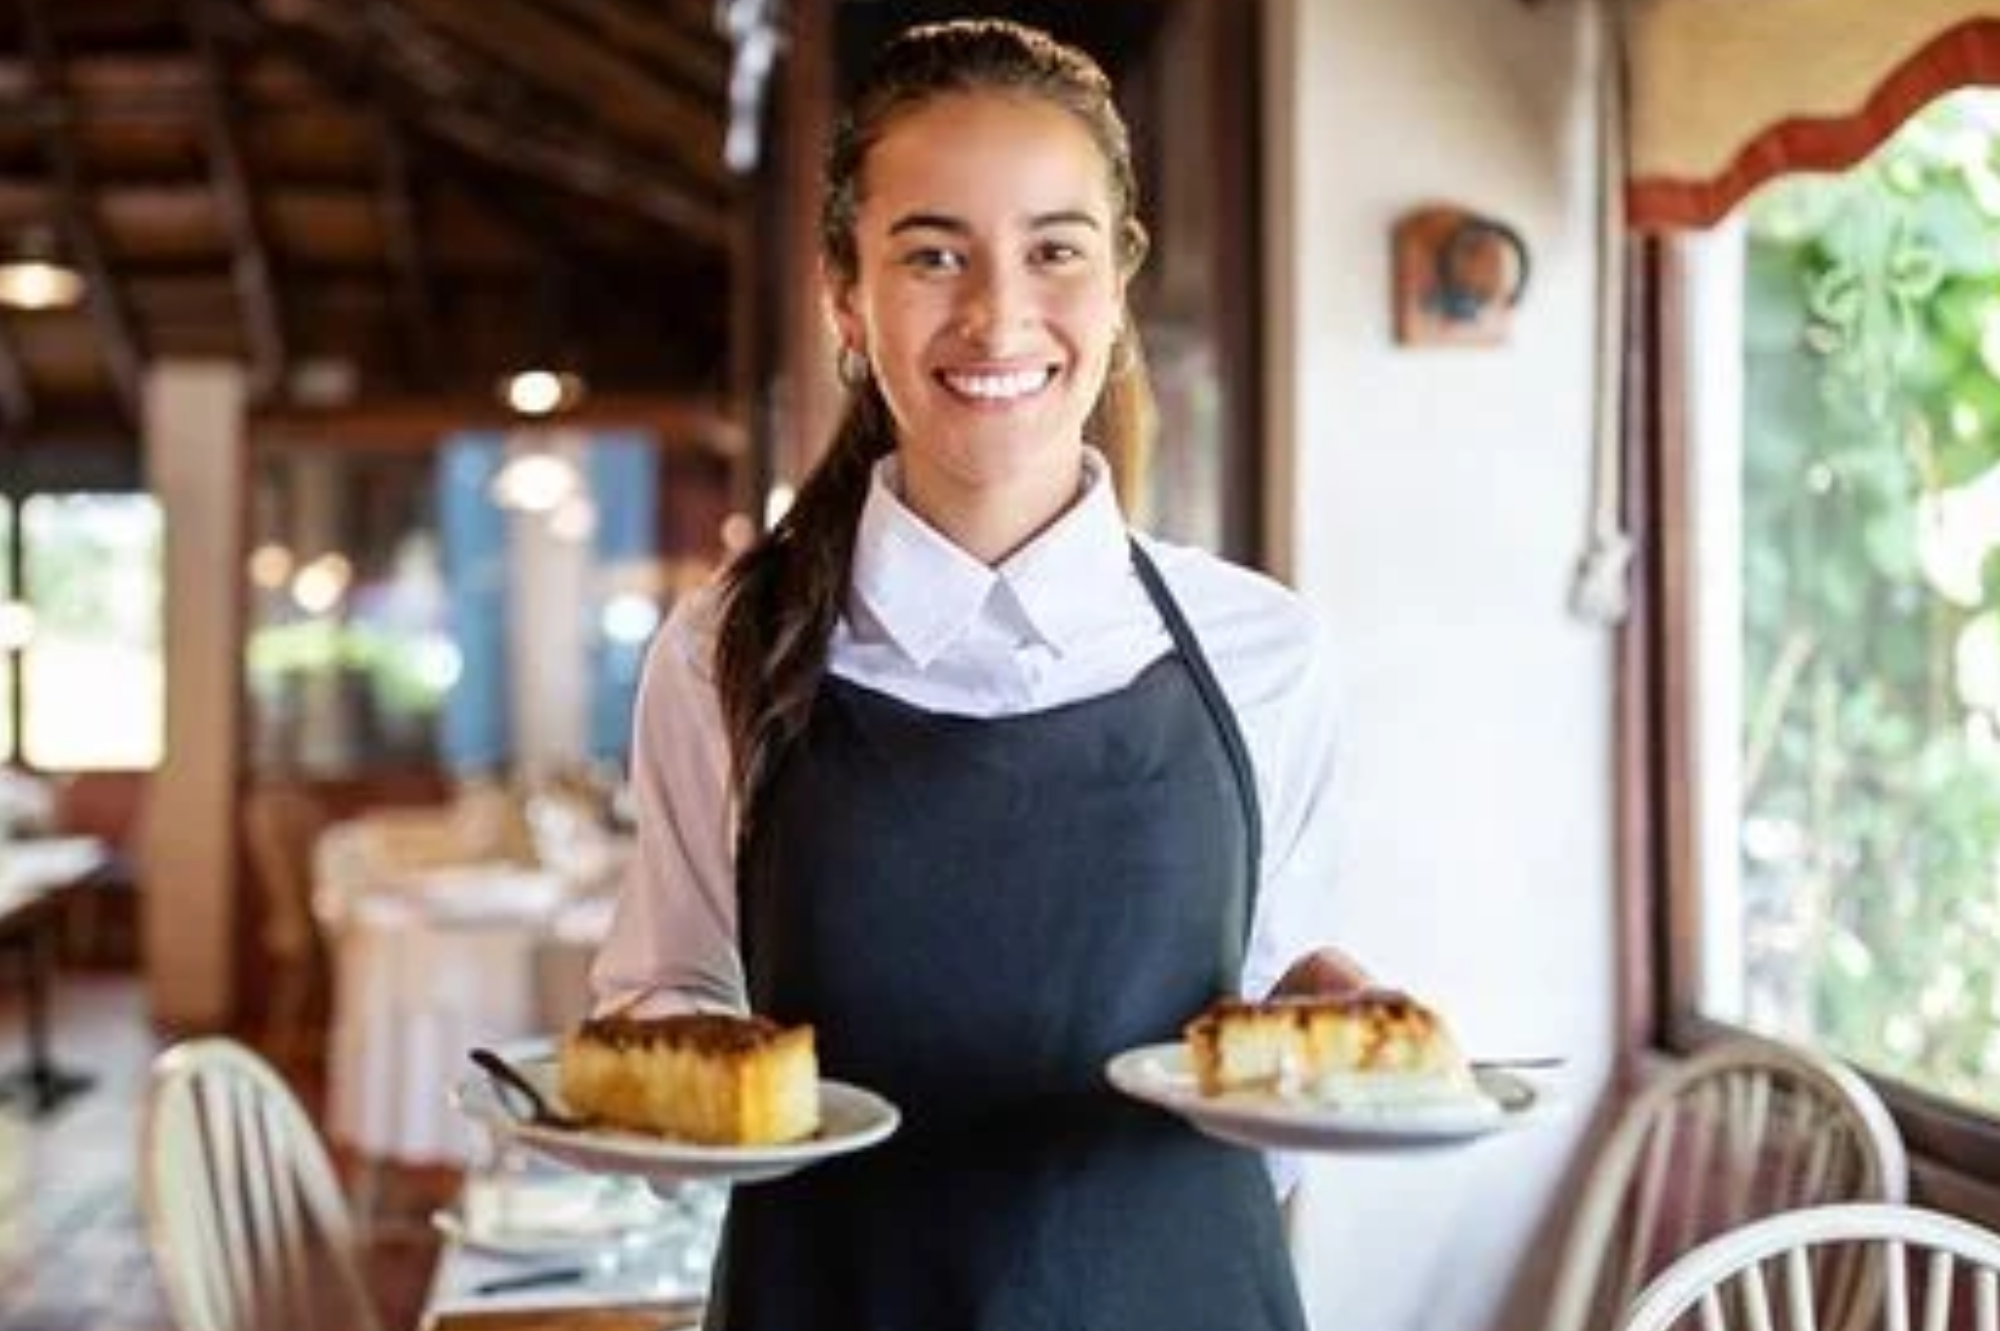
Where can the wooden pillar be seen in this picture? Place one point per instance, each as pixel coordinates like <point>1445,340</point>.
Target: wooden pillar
<point>193,426</point>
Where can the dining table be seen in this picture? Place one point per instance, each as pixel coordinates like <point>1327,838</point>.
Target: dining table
<point>637,1317</point>
<point>607,1255</point>
<point>37,881</point>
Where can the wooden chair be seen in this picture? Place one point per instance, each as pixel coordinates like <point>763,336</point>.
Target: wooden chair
<point>244,1214</point>
<point>280,824</point>
<point>1741,1131</point>
<point>1784,1272</point>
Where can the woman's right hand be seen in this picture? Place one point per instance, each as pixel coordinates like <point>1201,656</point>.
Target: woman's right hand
<point>1324,972</point>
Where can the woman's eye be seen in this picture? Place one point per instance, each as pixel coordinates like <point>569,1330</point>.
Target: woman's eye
<point>1057,254</point>
<point>934,260</point>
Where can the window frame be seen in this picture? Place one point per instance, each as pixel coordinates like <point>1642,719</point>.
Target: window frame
<point>1954,1151</point>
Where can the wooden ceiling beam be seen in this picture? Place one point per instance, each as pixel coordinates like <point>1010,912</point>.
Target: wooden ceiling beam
<point>149,226</point>
<point>137,87</point>
<point>250,266</point>
<point>700,64</point>
<point>102,85</point>
<point>545,50</point>
<point>689,423</point>
<point>416,287</point>
<point>512,142</point>
<point>106,301</point>
<point>689,16</point>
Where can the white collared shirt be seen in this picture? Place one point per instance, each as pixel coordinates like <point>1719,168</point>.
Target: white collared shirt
<point>1063,619</point>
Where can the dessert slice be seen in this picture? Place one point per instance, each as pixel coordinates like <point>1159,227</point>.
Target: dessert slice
<point>711,1078</point>
<point>1372,1049</point>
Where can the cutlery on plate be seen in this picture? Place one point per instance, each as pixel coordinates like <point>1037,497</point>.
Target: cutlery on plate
<point>507,1077</point>
<point>553,1275</point>
<point>1528,1063</point>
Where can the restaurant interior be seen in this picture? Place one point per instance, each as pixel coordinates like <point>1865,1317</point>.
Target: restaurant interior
<point>1615,378</point>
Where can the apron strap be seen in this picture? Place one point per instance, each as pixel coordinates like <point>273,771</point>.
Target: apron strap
<point>1212,698</point>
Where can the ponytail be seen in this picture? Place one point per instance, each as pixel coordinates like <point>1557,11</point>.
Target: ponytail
<point>782,597</point>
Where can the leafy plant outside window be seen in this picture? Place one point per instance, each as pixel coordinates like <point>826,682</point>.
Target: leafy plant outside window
<point>1869,761</point>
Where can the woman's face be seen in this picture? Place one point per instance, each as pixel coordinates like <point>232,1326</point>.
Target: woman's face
<point>986,299</point>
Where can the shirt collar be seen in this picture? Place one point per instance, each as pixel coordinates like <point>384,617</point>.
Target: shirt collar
<point>1066,577</point>
<point>926,592</point>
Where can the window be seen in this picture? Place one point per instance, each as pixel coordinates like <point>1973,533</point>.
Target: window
<point>1842,550</point>
<point>480,605</point>
<point>82,665</point>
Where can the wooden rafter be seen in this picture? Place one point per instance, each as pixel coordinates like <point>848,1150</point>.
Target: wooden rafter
<point>576,268</point>
<point>698,64</point>
<point>263,315</point>
<point>456,114</point>
<point>17,401</point>
<point>415,287</point>
<point>541,49</point>
<point>689,16</point>
<point>106,301</point>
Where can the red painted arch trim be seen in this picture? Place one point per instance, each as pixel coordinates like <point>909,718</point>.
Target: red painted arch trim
<point>1964,55</point>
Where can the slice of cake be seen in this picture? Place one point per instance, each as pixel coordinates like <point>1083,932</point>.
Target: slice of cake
<point>1376,1048</point>
<point>711,1078</point>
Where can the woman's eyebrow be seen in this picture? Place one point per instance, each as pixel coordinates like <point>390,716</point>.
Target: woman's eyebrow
<point>929,222</point>
<point>958,227</point>
<point>1065,217</point>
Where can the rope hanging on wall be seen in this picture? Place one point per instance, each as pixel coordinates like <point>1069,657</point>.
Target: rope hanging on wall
<point>1600,592</point>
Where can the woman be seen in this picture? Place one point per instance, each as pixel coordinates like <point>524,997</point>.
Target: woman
<point>1011,790</point>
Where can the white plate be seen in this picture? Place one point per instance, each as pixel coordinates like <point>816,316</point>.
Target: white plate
<point>850,1119</point>
<point>553,1213</point>
<point>1159,1075</point>
<point>529,1243</point>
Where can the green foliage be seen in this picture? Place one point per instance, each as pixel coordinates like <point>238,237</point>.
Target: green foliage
<point>1871,864</point>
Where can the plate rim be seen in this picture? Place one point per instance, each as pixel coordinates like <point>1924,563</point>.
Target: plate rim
<point>1274,1124</point>
<point>472,1094</point>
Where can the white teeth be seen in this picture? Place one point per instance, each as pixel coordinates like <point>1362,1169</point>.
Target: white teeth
<point>999,387</point>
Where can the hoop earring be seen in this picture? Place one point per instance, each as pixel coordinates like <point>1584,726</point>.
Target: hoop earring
<point>1124,356</point>
<point>852,369</point>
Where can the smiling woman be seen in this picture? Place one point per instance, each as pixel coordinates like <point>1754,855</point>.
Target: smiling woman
<point>959,771</point>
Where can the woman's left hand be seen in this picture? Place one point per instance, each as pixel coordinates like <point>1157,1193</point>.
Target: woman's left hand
<point>1322,973</point>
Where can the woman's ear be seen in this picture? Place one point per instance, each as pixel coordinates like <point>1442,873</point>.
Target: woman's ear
<point>1133,245</point>
<point>838,296</point>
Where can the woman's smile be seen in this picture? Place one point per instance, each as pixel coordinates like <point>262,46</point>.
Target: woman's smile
<point>999,388</point>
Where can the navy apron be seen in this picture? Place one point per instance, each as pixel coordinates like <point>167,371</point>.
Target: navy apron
<point>975,914</point>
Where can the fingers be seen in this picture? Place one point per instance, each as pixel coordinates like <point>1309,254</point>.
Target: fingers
<point>1323,973</point>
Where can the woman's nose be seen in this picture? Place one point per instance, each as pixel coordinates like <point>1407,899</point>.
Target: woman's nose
<point>994,302</point>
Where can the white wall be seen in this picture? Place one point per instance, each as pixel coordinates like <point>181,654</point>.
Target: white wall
<point>1433,503</point>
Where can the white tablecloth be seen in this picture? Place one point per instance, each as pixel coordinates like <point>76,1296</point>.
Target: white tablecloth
<point>40,862</point>
<point>426,968</point>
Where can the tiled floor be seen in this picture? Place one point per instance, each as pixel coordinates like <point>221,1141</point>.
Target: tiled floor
<point>72,1256</point>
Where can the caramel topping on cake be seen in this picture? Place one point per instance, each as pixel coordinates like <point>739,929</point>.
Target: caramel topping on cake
<point>703,1032</point>
<point>1378,1019</point>
<point>1371,1045</point>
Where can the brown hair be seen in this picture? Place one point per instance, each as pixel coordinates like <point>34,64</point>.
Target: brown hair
<point>783,596</point>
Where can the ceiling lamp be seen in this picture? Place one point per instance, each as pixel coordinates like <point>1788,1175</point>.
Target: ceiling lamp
<point>540,474</point>
<point>540,392</point>
<point>34,277</point>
